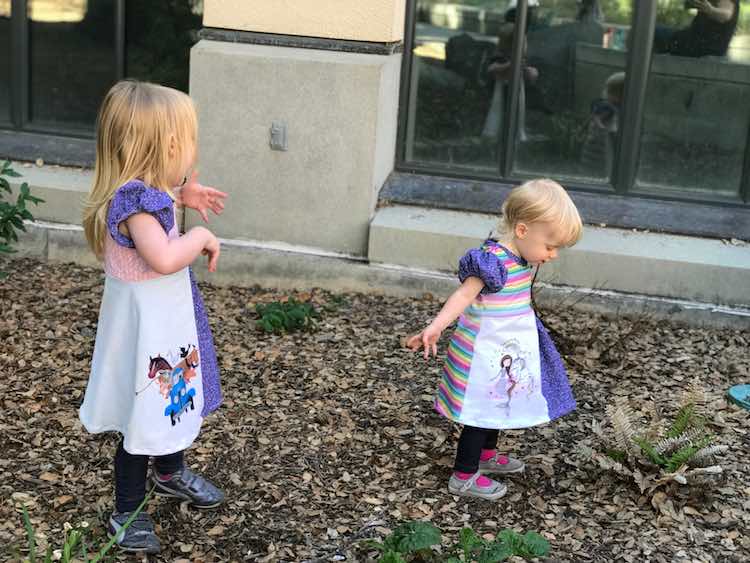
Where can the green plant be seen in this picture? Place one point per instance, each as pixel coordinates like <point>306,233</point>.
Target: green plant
<point>417,541</point>
<point>286,316</point>
<point>73,546</point>
<point>12,215</point>
<point>507,543</point>
<point>683,453</point>
<point>412,539</point>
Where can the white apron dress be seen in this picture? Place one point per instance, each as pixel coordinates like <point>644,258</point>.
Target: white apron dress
<point>145,376</point>
<point>147,373</point>
<point>502,370</point>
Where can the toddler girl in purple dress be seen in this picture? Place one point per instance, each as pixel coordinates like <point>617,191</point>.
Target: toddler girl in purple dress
<point>154,375</point>
<point>502,369</point>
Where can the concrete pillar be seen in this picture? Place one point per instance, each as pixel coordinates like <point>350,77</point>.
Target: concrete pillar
<point>329,80</point>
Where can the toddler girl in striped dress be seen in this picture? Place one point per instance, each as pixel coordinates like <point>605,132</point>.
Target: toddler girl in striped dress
<point>502,370</point>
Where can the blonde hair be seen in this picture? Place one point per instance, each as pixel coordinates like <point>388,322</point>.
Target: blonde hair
<point>138,122</point>
<point>542,201</point>
<point>615,85</point>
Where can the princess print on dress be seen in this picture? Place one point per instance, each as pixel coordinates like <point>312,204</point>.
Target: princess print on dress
<point>512,376</point>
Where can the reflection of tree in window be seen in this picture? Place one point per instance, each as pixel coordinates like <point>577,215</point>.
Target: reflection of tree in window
<point>159,36</point>
<point>71,63</point>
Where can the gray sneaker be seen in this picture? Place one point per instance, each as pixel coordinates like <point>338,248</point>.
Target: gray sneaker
<point>470,488</point>
<point>186,485</point>
<point>501,464</point>
<point>138,536</point>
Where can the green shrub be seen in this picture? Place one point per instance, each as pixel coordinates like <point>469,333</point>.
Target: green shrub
<point>417,541</point>
<point>12,215</point>
<point>286,316</point>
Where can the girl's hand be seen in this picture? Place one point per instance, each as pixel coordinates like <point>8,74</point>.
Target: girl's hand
<point>212,249</point>
<point>427,338</point>
<point>200,197</point>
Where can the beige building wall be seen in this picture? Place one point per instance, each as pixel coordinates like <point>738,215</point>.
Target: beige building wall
<point>358,20</point>
<point>337,102</point>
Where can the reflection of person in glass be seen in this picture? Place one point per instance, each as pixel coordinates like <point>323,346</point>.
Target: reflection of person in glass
<point>597,153</point>
<point>499,70</point>
<point>708,34</point>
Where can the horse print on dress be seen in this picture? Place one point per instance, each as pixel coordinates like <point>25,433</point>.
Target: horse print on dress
<point>174,381</point>
<point>512,376</point>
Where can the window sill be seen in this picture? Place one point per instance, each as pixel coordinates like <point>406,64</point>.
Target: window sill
<point>52,149</point>
<point>626,212</point>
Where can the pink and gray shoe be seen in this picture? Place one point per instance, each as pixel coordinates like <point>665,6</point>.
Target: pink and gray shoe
<point>476,486</point>
<point>501,464</point>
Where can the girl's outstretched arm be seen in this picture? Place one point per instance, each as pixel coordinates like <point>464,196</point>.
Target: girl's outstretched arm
<point>167,256</point>
<point>455,305</point>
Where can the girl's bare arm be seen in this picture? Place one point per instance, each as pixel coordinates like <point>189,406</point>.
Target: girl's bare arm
<point>164,255</point>
<point>455,305</point>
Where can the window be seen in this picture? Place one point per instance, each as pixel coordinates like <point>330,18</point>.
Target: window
<point>695,124</point>
<point>71,62</point>
<point>72,51</point>
<point>615,96</point>
<point>572,90</point>
<point>450,88</point>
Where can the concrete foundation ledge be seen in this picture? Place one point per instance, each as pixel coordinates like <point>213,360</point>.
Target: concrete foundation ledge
<point>62,188</point>
<point>621,261</point>
<point>285,267</point>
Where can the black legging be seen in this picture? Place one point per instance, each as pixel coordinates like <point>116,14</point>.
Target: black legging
<point>470,445</point>
<point>131,472</point>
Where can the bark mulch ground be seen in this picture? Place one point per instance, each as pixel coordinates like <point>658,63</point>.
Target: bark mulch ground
<point>328,437</point>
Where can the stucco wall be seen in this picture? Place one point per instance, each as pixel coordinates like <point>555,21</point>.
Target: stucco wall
<point>359,20</point>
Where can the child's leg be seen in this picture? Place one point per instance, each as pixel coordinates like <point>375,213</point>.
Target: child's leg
<point>130,490</point>
<point>489,448</point>
<point>470,445</point>
<point>166,465</point>
<point>130,479</point>
<point>490,461</point>
<point>466,479</point>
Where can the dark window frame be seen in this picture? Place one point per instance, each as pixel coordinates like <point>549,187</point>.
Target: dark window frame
<point>450,185</point>
<point>21,139</point>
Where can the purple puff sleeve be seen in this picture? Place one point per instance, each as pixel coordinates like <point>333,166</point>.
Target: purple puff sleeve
<point>136,197</point>
<point>484,265</point>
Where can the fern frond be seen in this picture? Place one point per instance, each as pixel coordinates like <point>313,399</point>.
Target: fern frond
<point>667,446</point>
<point>702,475</point>
<point>694,394</point>
<point>707,456</point>
<point>648,449</point>
<point>657,423</point>
<point>621,417</point>
<point>685,419</point>
<point>685,453</point>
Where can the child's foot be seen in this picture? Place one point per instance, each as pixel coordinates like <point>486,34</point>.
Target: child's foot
<point>501,464</point>
<point>476,485</point>
<point>138,536</point>
<point>186,485</point>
